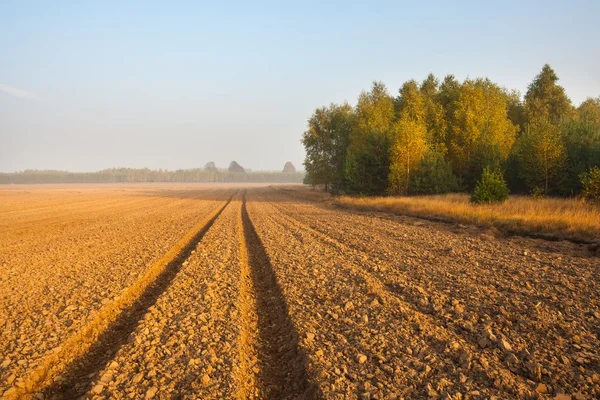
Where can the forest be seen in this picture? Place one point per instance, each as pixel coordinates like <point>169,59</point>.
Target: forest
<point>210,173</point>
<point>438,137</point>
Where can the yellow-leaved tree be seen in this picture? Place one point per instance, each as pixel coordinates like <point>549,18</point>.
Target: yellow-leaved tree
<point>409,140</point>
<point>480,134</point>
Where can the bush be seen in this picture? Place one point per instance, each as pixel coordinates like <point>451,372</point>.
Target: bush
<point>491,188</point>
<point>590,181</point>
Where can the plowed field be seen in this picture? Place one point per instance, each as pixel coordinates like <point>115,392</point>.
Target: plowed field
<point>189,291</point>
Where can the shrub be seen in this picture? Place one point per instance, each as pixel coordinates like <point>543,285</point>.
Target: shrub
<point>590,181</point>
<point>491,188</point>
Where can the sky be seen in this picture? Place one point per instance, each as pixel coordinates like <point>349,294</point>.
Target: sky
<point>173,84</point>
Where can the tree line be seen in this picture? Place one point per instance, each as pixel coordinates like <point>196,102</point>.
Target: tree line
<point>139,175</point>
<point>437,137</point>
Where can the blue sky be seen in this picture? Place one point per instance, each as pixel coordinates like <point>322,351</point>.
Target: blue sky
<point>92,85</point>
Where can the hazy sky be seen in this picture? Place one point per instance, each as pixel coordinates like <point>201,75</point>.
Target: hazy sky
<point>91,85</point>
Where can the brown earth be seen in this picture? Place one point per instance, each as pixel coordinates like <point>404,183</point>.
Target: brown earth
<point>263,295</point>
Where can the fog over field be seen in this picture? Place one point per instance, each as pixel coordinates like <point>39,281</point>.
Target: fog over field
<point>84,87</point>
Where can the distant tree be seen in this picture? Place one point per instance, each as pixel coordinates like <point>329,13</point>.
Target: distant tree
<point>235,167</point>
<point>211,166</point>
<point>411,103</point>
<point>289,167</point>
<point>213,171</point>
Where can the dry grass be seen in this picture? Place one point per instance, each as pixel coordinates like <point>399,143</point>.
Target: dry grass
<point>571,219</point>
<point>563,218</point>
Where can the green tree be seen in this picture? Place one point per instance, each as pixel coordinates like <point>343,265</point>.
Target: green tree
<point>448,97</point>
<point>367,163</point>
<point>491,188</point>
<point>326,143</point>
<point>318,144</point>
<point>541,155</point>
<point>581,137</point>
<point>545,99</point>
<point>434,111</point>
<point>590,180</point>
<point>515,109</point>
<point>368,170</point>
<point>434,174</point>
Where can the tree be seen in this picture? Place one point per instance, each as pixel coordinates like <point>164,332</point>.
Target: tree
<point>581,137</point>
<point>541,155</point>
<point>588,112</point>
<point>213,171</point>
<point>434,174</point>
<point>491,188</point>
<point>367,162</point>
<point>448,96</point>
<point>545,99</point>
<point>326,144</point>
<point>210,166</point>
<point>515,109</point>
<point>480,132</point>
<point>235,167</point>
<point>408,138</point>
<point>590,180</point>
<point>317,144</point>
<point>368,170</point>
<point>289,168</point>
<point>434,111</point>
<point>411,103</point>
<point>407,151</point>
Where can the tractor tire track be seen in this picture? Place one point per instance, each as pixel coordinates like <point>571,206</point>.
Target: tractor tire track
<point>281,372</point>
